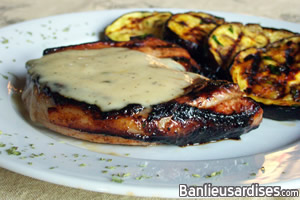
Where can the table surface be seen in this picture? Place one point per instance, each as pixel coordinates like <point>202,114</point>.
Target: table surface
<point>18,187</point>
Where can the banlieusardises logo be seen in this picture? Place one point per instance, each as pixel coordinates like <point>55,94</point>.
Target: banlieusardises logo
<point>254,190</point>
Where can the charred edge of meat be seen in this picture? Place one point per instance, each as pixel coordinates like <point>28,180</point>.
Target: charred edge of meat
<point>213,127</point>
<point>281,113</point>
<point>210,126</point>
<point>137,42</point>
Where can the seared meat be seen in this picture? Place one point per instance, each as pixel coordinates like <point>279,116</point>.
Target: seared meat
<point>207,111</point>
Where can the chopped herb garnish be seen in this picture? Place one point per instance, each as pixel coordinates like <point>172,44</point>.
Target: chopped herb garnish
<point>116,179</point>
<point>53,167</point>
<point>143,177</point>
<point>76,155</point>
<point>214,174</point>
<point>82,165</point>
<point>274,69</point>
<point>4,40</point>
<point>253,174</point>
<point>214,37</point>
<point>29,33</point>
<point>110,167</point>
<point>51,143</point>
<point>2,144</point>
<point>196,175</point>
<point>102,159</point>
<point>230,29</point>
<point>245,163</point>
<point>66,29</point>
<point>267,58</point>
<point>104,171</point>
<point>269,82</point>
<point>122,175</point>
<point>29,163</point>
<point>142,165</point>
<point>125,166</point>
<point>4,76</point>
<point>93,33</point>
<point>108,160</point>
<point>33,155</point>
<point>186,169</point>
<point>126,154</point>
<point>32,146</point>
<point>13,151</point>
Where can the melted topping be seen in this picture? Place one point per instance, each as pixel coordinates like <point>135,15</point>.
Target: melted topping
<point>111,78</point>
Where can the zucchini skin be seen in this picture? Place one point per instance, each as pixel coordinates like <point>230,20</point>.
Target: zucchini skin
<point>190,30</point>
<point>139,23</point>
<point>271,76</point>
<point>281,113</point>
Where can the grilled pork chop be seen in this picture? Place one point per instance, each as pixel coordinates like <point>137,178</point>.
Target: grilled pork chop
<point>207,111</point>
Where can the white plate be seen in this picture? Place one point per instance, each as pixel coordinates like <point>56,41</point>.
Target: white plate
<point>51,157</point>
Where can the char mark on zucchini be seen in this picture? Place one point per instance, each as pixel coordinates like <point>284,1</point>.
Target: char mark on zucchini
<point>271,76</point>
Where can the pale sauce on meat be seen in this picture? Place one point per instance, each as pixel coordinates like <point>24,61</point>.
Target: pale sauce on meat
<point>111,78</point>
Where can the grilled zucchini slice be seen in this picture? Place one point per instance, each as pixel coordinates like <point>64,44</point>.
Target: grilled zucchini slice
<point>137,24</point>
<point>190,30</point>
<point>271,76</point>
<point>228,39</point>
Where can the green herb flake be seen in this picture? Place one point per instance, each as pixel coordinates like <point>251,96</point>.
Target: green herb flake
<point>122,175</point>
<point>108,160</point>
<point>53,167</point>
<point>110,167</point>
<point>4,40</point>
<point>230,29</point>
<point>13,151</point>
<point>196,175</point>
<point>82,165</point>
<point>33,155</point>
<point>186,169</point>
<point>66,29</point>
<point>51,144</point>
<point>29,33</point>
<point>125,166</point>
<point>32,146</point>
<point>267,58</point>
<point>143,177</point>
<point>102,159</point>
<point>253,174</point>
<point>126,154</point>
<point>93,33</point>
<point>116,179</point>
<point>2,144</point>
<point>142,165</point>
<point>245,163</point>
<point>104,171</point>
<point>214,37</point>
<point>217,173</point>
<point>274,69</point>
<point>4,76</point>
<point>75,155</point>
<point>269,82</point>
<point>29,163</point>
